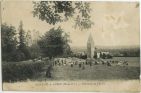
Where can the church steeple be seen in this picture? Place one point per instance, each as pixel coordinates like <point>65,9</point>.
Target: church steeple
<point>90,47</point>
<point>90,39</point>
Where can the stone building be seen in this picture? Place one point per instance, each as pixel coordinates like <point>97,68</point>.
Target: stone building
<point>90,47</point>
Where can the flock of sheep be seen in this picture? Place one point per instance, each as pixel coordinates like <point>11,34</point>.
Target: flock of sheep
<point>76,61</point>
<point>71,61</point>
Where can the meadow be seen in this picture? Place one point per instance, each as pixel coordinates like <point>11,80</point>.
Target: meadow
<point>17,71</point>
<point>118,78</point>
<point>96,72</point>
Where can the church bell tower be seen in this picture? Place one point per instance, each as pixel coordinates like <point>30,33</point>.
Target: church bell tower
<point>90,47</point>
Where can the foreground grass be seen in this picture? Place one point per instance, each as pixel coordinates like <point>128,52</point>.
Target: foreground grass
<point>96,72</point>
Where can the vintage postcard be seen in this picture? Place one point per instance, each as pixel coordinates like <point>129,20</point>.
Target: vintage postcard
<point>81,46</point>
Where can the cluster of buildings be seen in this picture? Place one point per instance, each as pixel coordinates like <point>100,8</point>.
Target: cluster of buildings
<point>92,52</point>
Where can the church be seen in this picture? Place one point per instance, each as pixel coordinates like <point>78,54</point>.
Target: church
<point>90,47</point>
<point>92,52</point>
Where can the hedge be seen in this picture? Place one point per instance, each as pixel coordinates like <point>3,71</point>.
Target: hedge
<point>17,71</point>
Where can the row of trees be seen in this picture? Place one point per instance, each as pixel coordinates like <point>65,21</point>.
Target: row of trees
<point>16,47</point>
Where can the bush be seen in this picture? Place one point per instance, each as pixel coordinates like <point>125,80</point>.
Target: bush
<point>16,71</point>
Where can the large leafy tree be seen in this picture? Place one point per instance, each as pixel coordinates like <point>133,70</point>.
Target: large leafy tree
<point>8,41</point>
<point>59,11</point>
<point>54,42</point>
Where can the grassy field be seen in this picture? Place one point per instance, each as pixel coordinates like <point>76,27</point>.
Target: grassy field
<point>96,72</point>
<point>132,61</point>
<point>112,78</point>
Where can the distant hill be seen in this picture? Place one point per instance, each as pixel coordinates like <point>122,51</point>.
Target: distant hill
<point>79,49</point>
<point>116,51</point>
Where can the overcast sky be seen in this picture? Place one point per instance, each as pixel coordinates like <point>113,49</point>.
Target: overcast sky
<point>116,23</point>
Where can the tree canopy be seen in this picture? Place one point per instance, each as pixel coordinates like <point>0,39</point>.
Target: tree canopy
<point>54,12</point>
<point>8,41</point>
<point>14,47</point>
<point>22,42</point>
<point>54,42</point>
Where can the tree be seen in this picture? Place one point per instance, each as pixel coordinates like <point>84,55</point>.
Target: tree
<point>59,11</point>
<point>54,42</point>
<point>8,41</point>
<point>137,5</point>
<point>28,38</point>
<point>35,50</point>
<point>103,55</point>
<point>23,49</point>
<point>21,36</point>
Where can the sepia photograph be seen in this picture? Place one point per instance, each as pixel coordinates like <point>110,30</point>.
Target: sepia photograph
<point>71,46</point>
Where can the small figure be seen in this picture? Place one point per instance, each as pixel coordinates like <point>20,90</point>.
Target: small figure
<point>71,65</point>
<point>48,72</point>
<point>108,64</point>
<point>80,65</point>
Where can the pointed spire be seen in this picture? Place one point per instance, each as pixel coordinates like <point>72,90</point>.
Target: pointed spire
<point>90,39</point>
<point>90,47</point>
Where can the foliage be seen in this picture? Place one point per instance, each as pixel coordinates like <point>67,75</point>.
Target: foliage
<point>28,39</point>
<point>105,56</point>
<point>137,5</point>
<point>22,42</point>
<point>14,48</point>
<point>35,51</point>
<point>54,42</point>
<point>8,41</point>
<point>16,71</point>
<point>59,11</point>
